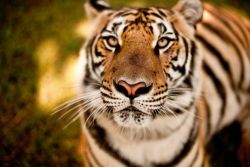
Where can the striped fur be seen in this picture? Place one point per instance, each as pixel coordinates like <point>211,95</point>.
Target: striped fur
<point>195,84</point>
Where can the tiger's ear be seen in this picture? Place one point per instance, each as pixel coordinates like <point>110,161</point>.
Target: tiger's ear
<point>94,7</point>
<point>192,10</point>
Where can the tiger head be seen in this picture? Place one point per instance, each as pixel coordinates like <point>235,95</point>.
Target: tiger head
<point>142,64</point>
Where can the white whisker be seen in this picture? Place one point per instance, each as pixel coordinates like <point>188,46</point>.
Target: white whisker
<point>169,110</point>
<point>175,105</point>
<point>73,120</point>
<point>66,105</point>
<point>92,115</point>
<point>68,111</point>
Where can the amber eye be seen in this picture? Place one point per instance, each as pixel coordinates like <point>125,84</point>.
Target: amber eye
<point>163,42</point>
<point>112,41</point>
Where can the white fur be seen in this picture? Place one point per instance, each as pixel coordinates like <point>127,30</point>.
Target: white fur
<point>146,152</point>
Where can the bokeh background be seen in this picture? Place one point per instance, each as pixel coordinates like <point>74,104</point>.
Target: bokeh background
<point>39,45</point>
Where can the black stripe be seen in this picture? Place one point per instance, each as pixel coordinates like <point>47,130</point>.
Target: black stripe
<point>227,39</point>
<point>176,112</point>
<point>188,82</point>
<point>219,88</point>
<point>99,135</point>
<point>115,25</point>
<point>195,158</point>
<point>128,13</point>
<point>194,55</point>
<point>89,81</point>
<point>96,65</point>
<point>175,58</point>
<point>102,73</point>
<point>216,54</point>
<point>125,29</point>
<point>161,92</point>
<point>87,78</point>
<point>188,79</point>
<point>90,55</point>
<point>175,31</point>
<point>221,34</point>
<point>182,68</point>
<point>156,15</point>
<point>192,137</point>
<point>93,156</point>
<point>155,100</point>
<point>208,116</point>
<point>106,88</point>
<point>219,16</point>
<point>161,12</point>
<point>168,76</point>
<point>225,65</point>
<point>122,12</point>
<point>109,97</point>
<point>181,111</point>
<point>162,28</point>
<point>186,49</point>
<point>239,24</point>
<point>97,53</point>
<point>179,68</point>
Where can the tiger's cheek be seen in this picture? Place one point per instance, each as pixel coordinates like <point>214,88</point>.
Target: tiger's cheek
<point>109,73</point>
<point>103,57</point>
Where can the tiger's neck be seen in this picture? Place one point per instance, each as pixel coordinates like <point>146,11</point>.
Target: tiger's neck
<point>111,146</point>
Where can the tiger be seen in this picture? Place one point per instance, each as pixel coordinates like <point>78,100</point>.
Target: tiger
<point>156,84</point>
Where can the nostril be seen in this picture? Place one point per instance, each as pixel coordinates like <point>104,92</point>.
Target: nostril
<point>121,89</point>
<point>143,90</point>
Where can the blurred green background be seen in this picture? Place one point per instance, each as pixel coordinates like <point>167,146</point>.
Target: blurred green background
<point>39,45</point>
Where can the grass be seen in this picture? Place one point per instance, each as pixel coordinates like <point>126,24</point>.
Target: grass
<point>39,45</point>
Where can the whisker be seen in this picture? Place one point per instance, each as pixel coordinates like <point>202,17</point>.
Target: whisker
<point>85,124</point>
<point>174,105</point>
<point>74,114</point>
<point>73,120</point>
<point>97,113</point>
<point>92,81</point>
<point>89,117</point>
<point>173,113</point>
<point>181,88</point>
<point>75,107</point>
<point>66,105</point>
<point>77,115</point>
<point>72,109</point>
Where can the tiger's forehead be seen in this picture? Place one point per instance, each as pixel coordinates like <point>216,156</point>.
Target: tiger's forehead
<point>155,22</point>
<point>154,18</point>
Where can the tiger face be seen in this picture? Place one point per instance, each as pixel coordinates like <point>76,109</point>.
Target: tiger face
<point>140,68</point>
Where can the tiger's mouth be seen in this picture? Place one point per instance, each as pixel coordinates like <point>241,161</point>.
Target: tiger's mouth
<point>132,117</point>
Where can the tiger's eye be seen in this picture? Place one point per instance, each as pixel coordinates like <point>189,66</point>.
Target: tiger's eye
<point>162,43</point>
<point>112,41</point>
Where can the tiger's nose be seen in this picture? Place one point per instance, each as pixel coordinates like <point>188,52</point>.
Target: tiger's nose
<point>132,90</point>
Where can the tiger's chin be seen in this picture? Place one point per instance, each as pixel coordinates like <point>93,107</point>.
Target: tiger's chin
<point>131,117</point>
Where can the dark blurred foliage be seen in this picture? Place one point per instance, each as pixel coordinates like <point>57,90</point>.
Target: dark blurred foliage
<point>28,135</point>
<point>224,146</point>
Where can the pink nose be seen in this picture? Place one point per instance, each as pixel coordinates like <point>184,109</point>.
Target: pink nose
<point>131,89</point>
